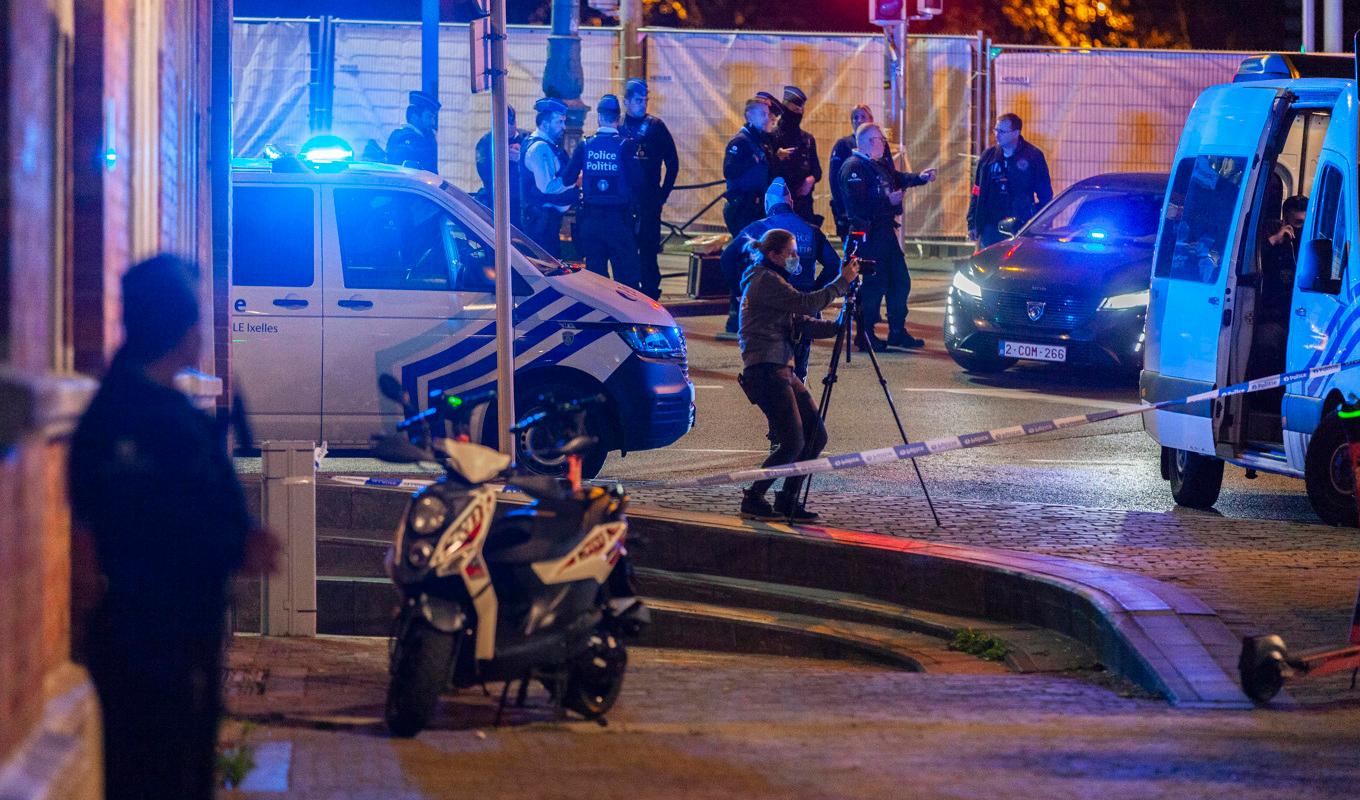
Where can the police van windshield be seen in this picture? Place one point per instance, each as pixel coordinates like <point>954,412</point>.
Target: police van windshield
<point>536,255</point>
<point>1100,215</point>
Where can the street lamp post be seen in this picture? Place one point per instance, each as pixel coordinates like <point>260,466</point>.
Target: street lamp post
<point>563,78</point>
<point>500,149</point>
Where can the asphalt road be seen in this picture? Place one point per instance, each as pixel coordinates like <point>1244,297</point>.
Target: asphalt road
<point>1111,464</point>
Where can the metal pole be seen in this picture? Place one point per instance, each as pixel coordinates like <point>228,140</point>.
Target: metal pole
<point>1331,26</point>
<point>500,146</point>
<point>562,76</point>
<point>630,51</point>
<point>429,47</point>
<point>1309,25</point>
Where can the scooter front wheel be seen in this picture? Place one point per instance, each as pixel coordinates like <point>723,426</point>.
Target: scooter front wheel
<point>595,677</point>
<point>420,669</point>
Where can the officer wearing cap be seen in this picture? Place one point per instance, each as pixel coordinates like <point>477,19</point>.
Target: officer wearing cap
<point>796,159</point>
<point>610,181</point>
<point>485,168</point>
<point>746,167</point>
<point>544,198</point>
<point>414,144</point>
<point>655,151</point>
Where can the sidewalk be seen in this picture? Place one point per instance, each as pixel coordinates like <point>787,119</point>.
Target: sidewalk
<point>1261,576</point>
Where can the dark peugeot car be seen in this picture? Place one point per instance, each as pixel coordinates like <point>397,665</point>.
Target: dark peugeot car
<point>1071,286</point>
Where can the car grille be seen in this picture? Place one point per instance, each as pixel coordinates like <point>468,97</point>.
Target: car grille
<point>1061,312</point>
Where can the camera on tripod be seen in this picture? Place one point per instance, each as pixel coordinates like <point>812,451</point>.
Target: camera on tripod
<point>853,240</point>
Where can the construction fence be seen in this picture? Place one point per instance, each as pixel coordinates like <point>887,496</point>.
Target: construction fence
<point>1091,111</point>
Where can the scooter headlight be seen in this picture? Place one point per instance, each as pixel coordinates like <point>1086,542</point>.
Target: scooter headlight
<point>419,554</point>
<point>429,515</point>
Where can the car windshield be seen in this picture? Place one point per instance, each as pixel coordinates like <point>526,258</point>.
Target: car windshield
<point>1100,215</point>
<point>536,255</point>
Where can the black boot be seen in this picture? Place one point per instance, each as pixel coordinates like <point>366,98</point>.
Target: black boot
<point>755,506</point>
<point>788,507</point>
<point>900,338</point>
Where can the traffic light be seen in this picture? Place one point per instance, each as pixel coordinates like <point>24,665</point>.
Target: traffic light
<point>887,12</point>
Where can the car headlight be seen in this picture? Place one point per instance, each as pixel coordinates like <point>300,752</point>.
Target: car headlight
<point>429,515</point>
<point>1126,300</point>
<point>967,285</point>
<point>654,340</point>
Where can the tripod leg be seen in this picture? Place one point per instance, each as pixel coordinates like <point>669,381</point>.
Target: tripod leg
<point>892,407</point>
<point>844,337</point>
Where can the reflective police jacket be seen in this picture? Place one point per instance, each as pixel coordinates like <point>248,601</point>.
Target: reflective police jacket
<point>865,186</point>
<point>813,248</point>
<point>541,162</point>
<point>746,165</point>
<point>608,162</point>
<point>410,144</point>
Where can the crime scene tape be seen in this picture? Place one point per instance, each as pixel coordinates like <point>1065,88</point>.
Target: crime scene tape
<point>930,447</point>
<point>383,483</point>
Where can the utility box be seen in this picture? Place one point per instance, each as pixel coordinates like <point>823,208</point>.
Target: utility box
<point>288,601</point>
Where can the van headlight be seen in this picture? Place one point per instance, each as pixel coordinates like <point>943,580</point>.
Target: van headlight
<point>966,285</point>
<point>1126,300</point>
<point>654,341</point>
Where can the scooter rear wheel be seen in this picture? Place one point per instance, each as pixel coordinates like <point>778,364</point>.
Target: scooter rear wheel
<point>595,678</point>
<point>420,669</point>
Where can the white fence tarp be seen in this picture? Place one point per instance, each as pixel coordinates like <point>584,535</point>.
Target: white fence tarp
<point>271,75</point>
<point>1094,111</point>
<point>939,134</point>
<point>377,64</point>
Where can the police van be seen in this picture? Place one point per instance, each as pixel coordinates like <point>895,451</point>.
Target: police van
<point>345,271</point>
<point>1227,305</point>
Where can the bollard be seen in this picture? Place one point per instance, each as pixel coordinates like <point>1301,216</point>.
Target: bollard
<point>288,597</point>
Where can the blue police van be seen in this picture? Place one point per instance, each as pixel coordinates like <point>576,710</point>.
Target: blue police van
<point>345,271</point>
<point>1235,297</point>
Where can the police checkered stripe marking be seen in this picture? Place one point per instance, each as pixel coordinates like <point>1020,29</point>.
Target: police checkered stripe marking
<point>945,444</point>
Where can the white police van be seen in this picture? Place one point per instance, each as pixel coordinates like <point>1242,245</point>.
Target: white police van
<point>345,271</point>
<point>1223,310</point>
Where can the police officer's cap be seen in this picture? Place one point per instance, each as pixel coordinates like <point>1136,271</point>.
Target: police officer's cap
<point>424,102</point>
<point>776,107</point>
<point>634,87</point>
<point>608,105</point>
<point>550,104</point>
<point>792,94</point>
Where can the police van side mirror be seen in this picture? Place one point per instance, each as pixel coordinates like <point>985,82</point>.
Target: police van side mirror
<point>1007,226</point>
<point>1315,268</point>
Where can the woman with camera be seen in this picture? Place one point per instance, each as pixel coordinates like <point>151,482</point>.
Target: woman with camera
<point>774,318</point>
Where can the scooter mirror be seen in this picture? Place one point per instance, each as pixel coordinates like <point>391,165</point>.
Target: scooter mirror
<point>391,389</point>
<point>398,450</point>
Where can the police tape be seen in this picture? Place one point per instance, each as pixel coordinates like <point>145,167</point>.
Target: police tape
<point>382,483</point>
<point>930,447</point>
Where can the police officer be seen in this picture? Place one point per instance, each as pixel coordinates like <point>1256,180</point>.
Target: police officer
<point>796,159</point>
<point>544,197</point>
<point>871,204</point>
<point>813,249</point>
<point>486,168</point>
<point>610,181</point>
<point>414,144</point>
<point>1011,181</point>
<point>840,151</point>
<point>160,526</point>
<point>655,151</point>
<point>746,168</point>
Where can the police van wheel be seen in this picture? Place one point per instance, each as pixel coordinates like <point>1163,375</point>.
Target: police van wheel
<point>592,461</point>
<point>980,364</point>
<point>1327,474</point>
<point>1195,479</point>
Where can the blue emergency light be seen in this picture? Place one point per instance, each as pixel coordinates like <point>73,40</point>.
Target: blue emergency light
<point>326,149</point>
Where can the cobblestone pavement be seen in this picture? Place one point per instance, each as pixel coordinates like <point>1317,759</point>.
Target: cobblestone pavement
<point>699,725</point>
<point>1261,576</point>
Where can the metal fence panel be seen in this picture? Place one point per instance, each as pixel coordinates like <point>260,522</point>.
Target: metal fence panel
<point>939,134</point>
<point>377,64</point>
<point>1094,111</point>
<point>271,74</point>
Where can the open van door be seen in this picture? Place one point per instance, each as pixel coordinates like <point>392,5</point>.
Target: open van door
<point>1200,243</point>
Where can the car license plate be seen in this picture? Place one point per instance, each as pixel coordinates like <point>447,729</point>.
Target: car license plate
<point>1034,352</point>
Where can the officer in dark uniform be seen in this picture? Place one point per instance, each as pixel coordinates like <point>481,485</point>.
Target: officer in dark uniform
<point>544,197</point>
<point>1011,181</point>
<point>655,150</point>
<point>486,168</point>
<point>610,182</point>
<point>414,144</point>
<point>871,205</point>
<point>796,159</point>
<point>840,151</point>
<point>155,499</point>
<point>746,168</point>
<point>813,249</point>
